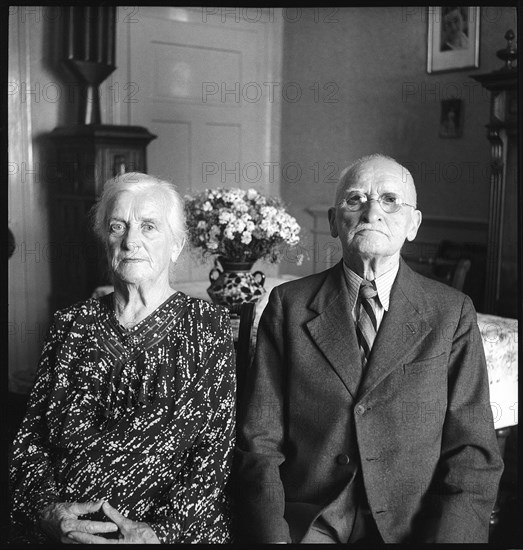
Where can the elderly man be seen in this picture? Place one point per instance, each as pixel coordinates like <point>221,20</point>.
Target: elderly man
<point>366,415</point>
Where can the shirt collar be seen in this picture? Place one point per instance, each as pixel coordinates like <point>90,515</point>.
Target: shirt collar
<point>383,285</point>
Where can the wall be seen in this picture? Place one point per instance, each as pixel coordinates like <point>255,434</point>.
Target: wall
<point>352,72</point>
<point>29,268</point>
<point>366,89</point>
<point>42,94</point>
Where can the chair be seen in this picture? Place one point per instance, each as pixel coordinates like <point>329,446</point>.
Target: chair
<point>452,272</point>
<point>242,317</point>
<point>474,284</point>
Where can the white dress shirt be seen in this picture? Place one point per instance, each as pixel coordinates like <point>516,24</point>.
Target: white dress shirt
<point>383,285</point>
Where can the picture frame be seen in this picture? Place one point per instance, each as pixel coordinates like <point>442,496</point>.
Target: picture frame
<point>453,38</point>
<point>451,119</point>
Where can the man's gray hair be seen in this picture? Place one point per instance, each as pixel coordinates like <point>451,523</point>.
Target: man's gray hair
<point>350,173</point>
<point>138,182</point>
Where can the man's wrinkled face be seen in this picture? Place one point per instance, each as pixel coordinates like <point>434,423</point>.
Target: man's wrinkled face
<point>370,232</point>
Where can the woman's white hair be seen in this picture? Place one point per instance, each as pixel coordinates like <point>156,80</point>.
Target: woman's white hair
<point>138,182</point>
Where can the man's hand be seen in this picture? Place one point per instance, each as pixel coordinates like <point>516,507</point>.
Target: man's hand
<point>58,520</point>
<point>130,532</point>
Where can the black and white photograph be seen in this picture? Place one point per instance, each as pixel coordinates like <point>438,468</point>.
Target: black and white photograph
<point>264,272</point>
<point>451,125</point>
<point>453,38</point>
<point>455,28</point>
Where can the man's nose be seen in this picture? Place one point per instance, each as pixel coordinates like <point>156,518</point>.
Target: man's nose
<point>372,210</point>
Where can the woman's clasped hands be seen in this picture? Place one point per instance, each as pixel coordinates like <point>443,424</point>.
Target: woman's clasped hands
<point>62,522</point>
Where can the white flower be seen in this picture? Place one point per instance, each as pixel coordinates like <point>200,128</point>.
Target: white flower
<point>239,225</point>
<point>246,237</point>
<point>240,206</point>
<point>225,217</point>
<point>218,215</point>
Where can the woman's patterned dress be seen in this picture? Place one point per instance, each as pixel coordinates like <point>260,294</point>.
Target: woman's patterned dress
<point>144,418</point>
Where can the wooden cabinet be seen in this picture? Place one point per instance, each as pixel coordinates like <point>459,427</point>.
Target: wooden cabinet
<point>501,289</point>
<point>86,156</point>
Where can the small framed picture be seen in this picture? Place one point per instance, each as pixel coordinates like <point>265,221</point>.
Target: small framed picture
<point>451,121</point>
<point>453,38</point>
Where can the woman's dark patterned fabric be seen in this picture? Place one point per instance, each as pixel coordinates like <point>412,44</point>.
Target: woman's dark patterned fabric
<point>143,418</point>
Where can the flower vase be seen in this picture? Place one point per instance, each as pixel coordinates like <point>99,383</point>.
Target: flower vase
<point>234,284</point>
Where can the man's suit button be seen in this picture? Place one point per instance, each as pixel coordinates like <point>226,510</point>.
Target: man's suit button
<point>360,409</point>
<point>342,459</point>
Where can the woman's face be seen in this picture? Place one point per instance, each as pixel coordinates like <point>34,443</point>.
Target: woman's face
<point>453,23</point>
<point>140,243</point>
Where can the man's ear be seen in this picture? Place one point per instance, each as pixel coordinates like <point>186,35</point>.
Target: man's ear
<point>332,221</point>
<point>414,226</point>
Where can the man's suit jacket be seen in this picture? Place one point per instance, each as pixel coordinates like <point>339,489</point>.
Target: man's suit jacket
<point>425,436</point>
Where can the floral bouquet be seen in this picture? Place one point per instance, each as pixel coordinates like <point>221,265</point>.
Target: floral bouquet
<point>240,226</point>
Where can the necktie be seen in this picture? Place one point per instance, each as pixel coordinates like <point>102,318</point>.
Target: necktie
<point>366,327</point>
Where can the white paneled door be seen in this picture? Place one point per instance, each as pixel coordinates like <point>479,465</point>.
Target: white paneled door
<point>205,81</point>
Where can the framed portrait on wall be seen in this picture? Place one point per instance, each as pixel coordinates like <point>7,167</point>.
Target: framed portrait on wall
<point>451,118</point>
<point>453,38</point>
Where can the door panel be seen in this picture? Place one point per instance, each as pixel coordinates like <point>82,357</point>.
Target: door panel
<point>199,88</point>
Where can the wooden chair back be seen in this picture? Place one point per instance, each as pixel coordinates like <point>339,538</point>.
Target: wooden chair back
<point>452,272</point>
<point>243,341</point>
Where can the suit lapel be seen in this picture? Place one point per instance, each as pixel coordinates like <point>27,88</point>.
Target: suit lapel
<point>333,330</point>
<point>402,330</point>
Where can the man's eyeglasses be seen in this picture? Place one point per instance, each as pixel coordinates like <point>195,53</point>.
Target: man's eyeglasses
<point>389,202</point>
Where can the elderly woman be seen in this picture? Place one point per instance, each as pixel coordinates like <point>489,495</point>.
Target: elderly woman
<point>129,431</point>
